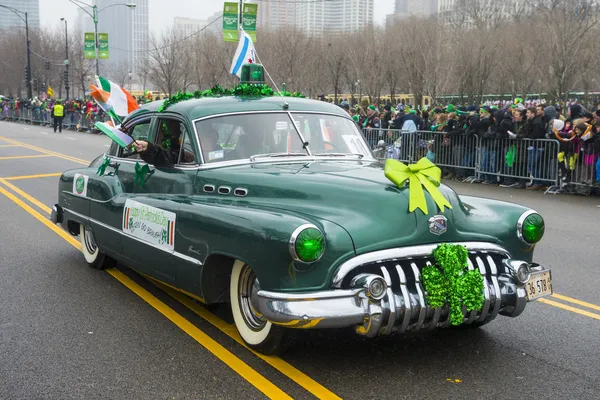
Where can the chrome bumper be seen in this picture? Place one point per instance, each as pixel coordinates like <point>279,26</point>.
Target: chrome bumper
<point>400,309</point>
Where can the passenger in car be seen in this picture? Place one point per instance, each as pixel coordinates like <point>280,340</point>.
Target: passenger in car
<point>165,154</point>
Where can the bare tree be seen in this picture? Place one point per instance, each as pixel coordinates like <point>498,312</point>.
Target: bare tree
<point>164,67</point>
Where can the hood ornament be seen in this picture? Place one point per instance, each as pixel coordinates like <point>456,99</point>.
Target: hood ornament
<point>438,224</point>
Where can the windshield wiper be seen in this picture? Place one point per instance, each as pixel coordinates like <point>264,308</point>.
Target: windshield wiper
<point>272,155</point>
<point>340,155</point>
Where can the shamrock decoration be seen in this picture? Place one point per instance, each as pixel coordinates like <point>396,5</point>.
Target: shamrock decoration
<point>102,167</point>
<point>450,282</point>
<point>139,174</point>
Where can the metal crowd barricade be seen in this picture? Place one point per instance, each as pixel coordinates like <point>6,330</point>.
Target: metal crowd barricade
<point>577,167</point>
<point>518,161</point>
<point>456,155</point>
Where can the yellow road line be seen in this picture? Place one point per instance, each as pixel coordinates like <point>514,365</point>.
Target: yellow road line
<point>280,365</point>
<point>236,364</point>
<point>9,145</point>
<point>27,197</point>
<point>15,178</point>
<point>46,151</point>
<point>20,157</point>
<point>569,308</point>
<point>243,369</point>
<point>575,301</point>
<point>44,220</point>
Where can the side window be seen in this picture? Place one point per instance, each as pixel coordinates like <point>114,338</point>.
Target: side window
<point>139,131</point>
<point>186,153</point>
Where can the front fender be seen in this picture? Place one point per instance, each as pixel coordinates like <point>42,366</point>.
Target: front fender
<point>260,237</point>
<point>498,219</point>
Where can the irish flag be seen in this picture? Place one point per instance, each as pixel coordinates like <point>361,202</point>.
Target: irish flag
<point>114,133</point>
<point>109,96</point>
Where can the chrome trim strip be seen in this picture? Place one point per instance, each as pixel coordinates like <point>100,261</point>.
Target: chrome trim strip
<point>405,299</point>
<point>320,295</point>
<point>486,289</point>
<point>189,259</point>
<point>423,308</point>
<point>391,300</point>
<point>405,252</point>
<point>472,314</point>
<point>175,253</point>
<point>494,277</point>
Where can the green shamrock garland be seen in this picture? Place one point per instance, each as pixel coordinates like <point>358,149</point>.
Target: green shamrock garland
<point>450,282</point>
<point>242,89</point>
<point>102,167</point>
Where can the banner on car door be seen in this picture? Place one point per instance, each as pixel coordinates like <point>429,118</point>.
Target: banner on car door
<point>150,224</point>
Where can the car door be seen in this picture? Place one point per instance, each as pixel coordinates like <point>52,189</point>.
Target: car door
<point>149,216</point>
<point>109,192</point>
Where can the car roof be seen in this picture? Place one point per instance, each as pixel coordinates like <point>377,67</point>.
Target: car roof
<point>207,106</point>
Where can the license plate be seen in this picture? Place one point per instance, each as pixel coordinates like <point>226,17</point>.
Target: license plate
<point>539,285</point>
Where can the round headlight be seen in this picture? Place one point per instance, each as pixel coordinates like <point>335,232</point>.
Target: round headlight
<point>377,288</point>
<point>530,227</point>
<point>307,244</point>
<point>523,273</point>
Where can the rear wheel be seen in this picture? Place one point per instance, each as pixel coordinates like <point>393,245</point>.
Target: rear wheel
<point>258,333</point>
<point>93,256</point>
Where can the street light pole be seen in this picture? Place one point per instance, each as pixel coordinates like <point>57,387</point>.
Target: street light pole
<point>29,91</point>
<point>66,57</point>
<point>95,17</point>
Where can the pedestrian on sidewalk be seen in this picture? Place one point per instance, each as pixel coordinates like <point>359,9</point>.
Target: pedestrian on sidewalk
<point>58,113</point>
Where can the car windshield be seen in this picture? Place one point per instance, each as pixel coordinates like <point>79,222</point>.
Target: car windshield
<point>331,135</point>
<point>242,136</point>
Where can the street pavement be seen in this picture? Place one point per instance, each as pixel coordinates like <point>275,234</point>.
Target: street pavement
<point>70,332</point>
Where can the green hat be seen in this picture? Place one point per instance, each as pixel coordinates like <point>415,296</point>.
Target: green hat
<point>372,107</point>
<point>494,108</point>
<point>412,112</point>
<point>484,110</point>
<point>355,118</point>
<point>518,100</point>
<point>450,108</point>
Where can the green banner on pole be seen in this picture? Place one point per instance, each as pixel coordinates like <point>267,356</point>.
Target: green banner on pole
<point>230,22</point>
<point>89,45</point>
<point>249,20</point>
<point>103,46</point>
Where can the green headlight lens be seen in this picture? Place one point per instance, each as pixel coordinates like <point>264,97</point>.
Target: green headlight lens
<point>310,245</point>
<point>533,228</point>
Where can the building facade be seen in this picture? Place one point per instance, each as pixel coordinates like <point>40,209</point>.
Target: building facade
<point>330,17</point>
<point>185,27</point>
<point>274,15</point>
<point>10,20</point>
<point>128,32</point>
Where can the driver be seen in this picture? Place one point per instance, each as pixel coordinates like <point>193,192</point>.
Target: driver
<point>168,153</point>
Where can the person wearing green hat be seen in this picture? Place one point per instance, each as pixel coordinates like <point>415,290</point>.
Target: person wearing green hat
<point>450,108</point>
<point>372,122</point>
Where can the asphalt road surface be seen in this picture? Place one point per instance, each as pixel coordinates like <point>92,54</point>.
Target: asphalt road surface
<point>70,332</point>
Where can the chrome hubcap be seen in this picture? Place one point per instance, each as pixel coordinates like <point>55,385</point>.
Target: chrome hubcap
<point>247,286</point>
<point>90,242</point>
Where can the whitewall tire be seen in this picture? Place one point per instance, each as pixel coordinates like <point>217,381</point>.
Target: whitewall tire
<point>93,256</point>
<point>258,333</point>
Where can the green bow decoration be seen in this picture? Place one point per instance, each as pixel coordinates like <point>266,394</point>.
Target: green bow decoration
<point>422,174</point>
<point>102,167</point>
<point>140,172</point>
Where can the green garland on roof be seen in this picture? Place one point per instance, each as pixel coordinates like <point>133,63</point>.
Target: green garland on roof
<point>242,90</point>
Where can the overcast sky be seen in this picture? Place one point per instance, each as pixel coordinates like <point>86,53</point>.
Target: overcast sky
<point>162,12</point>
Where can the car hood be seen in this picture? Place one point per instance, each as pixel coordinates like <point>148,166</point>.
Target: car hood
<point>354,195</point>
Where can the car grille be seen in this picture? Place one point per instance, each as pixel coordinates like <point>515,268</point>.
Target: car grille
<point>410,312</point>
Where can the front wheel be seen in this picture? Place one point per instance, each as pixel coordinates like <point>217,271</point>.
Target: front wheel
<point>93,256</point>
<point>258,333</point>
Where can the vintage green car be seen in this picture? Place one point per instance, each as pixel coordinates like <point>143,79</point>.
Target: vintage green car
<point>278,206</point>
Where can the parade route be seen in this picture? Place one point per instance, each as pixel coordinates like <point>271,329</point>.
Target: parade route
<point>68,331</point>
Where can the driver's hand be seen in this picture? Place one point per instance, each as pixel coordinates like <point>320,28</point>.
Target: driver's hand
<point>140,146</point>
